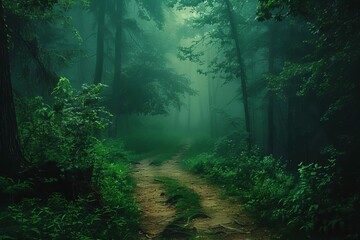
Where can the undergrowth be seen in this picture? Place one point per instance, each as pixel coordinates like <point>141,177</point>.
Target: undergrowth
<point>299,206</point>
<point>110,213</point>
<point>73,185</point>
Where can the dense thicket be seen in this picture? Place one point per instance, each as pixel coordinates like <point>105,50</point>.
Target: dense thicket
<point>312,95</point>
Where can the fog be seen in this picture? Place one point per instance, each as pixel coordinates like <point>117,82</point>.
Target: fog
<point>106,102</point>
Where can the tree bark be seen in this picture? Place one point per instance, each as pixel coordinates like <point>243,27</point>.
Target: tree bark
<point>117,65</point>
<point>271,59</point>
<point>241,72</point>
<point>290,121</point>
<point>100,43</point>
<point>10,153</point>
<point>189,115</point>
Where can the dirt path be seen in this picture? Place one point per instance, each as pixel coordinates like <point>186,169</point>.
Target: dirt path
<point>226,219</point>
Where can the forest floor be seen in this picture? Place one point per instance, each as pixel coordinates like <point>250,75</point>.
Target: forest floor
<point>225,218</point>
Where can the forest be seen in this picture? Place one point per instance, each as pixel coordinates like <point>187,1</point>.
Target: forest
<point>179,119</point>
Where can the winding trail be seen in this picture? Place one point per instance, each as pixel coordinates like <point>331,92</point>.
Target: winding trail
<point>226,219</point>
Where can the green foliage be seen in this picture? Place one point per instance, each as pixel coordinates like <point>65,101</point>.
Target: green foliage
<point>115,217</point>
<point>64,131</point>
<point>230,145</point>
<point>116,188</point>
<point>115,151</point>
<point>108,211</point>
<point>244,175</point>
<point>279,9</point>
<point>310,205</point>
<point>149,88</point>
<point>314,207</point>
<point>151,11</point>
<point>216,168</point>
<point>324,201</point>
<point>325,74</point>
<point>55,219</point>
<point>43,10</point>
<point>212,21</point>
<point>10,187</point>
<point>311,195</point>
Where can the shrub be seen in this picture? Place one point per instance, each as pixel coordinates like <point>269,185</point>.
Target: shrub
<point>231,145</point>
<point>64,131</point>
<point>63,155</point>
<point>108,213</point>
<point>308,206</point>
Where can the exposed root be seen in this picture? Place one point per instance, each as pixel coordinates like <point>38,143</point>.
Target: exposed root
<point>240,224</point>
<point>177,231</point>
<point>196,216</point>
<point>228,230</point>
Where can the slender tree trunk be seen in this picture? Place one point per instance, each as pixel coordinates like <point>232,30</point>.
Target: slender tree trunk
<point>271,59</point>
<point>117,66</point>
<point>271,125</point>
<point>291,104</point>
<point>241,72</point>
<point>211,95</point>
<point>189,115</point>
<point>81,68</point>
<point>100,43</point>
<point>202,124</point>
<point>290,120</point>
<point>10,153</point>
<point>212,103</point>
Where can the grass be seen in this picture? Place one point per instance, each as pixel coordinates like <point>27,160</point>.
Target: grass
<point>188,207</point>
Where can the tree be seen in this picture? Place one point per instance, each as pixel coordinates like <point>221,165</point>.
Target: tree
<point>39,49</point>
<point>241,71</point>
<point>100,41</point>
<point>10,152</point>
<point>122,23</point>
<point>220,25</point>
<point>271,69</point>
<point>327,75</point>
<point>150,88</point>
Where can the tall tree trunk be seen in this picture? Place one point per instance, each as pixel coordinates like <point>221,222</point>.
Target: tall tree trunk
<point>290,121</point>
<point>10,153</point>
<point>212,125</point>
<point>211,106</point>
<point>81,68</point>
<point>117,66</point>
<point>202,117</point>
<point>241,71</point>
<point>212,91</point>
<point>100,42</point>
<point>271,59</point>
<point>291,103</point>
<point>189,115</point>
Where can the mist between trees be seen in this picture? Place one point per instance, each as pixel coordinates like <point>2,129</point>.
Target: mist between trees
<point>267,91</point>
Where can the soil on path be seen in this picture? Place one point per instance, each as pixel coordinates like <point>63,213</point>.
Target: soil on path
<point>226,219</point>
